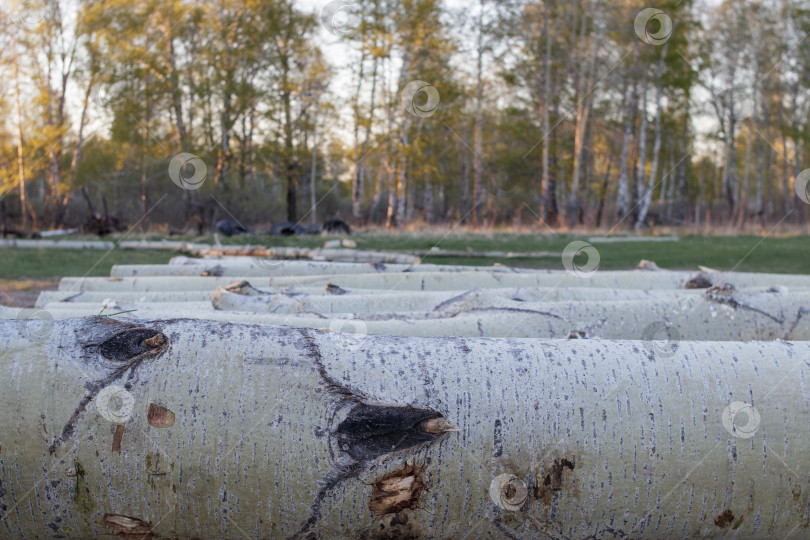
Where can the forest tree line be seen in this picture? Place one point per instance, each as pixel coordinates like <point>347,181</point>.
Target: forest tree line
<point>580,113</point>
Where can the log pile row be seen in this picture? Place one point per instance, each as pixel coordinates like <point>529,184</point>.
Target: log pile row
<point>252,397</point>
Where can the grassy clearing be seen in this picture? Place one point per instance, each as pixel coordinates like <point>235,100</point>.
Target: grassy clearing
<point>746,253</point>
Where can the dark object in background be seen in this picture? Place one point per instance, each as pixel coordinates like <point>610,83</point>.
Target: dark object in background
<point>228,227</point>
<point>286,228</point>
<point>337,226</point>
<point>312,228</point>
<point>101,224</point>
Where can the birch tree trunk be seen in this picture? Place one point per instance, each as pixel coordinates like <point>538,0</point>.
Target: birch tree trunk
<point>646,199</point>
<point>641,172</point>
<point>402,173</point>
<point>357,187</point>
<point>623,193</point>
<point>19,134</point>
<point>478,162</point>
<point>546,180</point>
<point>208,430</point>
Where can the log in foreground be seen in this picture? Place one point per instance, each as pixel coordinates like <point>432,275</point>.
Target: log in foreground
<point>198,429</point>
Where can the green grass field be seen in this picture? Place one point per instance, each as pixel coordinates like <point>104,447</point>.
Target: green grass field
<point>743,253</point>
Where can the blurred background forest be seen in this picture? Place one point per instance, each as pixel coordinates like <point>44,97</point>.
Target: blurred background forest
<point>563,114</point>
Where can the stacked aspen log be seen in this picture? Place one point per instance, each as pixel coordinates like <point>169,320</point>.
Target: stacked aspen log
<point>232,396</point>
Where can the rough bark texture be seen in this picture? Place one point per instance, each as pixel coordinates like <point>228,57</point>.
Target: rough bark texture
<point>273,267</point>
<point>544,294</point>
<point>719,315</point>
<point>438,281</point>
<point>283,432</point>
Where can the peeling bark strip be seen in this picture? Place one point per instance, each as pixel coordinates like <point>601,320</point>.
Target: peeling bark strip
<point>397,490</point>
<point>128,527</point>
<point>118,436</point>
<point>656,446</point>
<point>552,480</point>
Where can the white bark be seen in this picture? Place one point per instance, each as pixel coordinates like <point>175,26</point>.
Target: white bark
<point>646,199</point>
<point>622,190</point>
<point>68,297</point>
<point>438,281</point>
<point>721,316</point>
<point>537,294</point>
<point>445,301</point>
<point>277,432</point>
<point>249,266</point>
